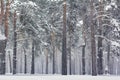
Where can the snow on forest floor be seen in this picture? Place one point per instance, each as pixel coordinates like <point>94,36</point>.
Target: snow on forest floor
<point>57,77</point>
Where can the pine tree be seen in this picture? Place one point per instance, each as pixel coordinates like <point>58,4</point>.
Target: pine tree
<point>64,53</point>
<point>15,45</point>
<point>93,45</point>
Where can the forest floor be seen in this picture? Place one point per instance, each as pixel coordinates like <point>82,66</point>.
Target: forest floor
<point>57,77</point>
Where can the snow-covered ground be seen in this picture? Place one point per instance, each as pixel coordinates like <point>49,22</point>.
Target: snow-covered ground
<point>59,77</point>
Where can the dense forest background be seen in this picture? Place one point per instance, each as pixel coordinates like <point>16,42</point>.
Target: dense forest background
<point>68,37</point>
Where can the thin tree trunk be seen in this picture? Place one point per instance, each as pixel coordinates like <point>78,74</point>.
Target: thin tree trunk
<point>25,61</point>
<point>83,47</point>
<point>10,63</point>
<point>53,48</point>
<point>46,61</point>
<point>1,14</point>
<point>108,58</point>
<point>64,53</point>
<point>6,18</point>
<point>93,45</point>
<point>69,50</point>
<point>2,56</point>
<point>83,60</point>
<point>15,45</point>
<point>100,51</point>
<point>33,56</point>
<point>2,42</point>
<point>70,72</point>
<point>71,29</point>
<point>21,63</point>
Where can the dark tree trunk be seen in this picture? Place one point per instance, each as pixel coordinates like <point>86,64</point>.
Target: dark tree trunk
<point>25,62</point>
<point>93,45</point>
<point>46,61</point>
<point>15,45</point>
<point>33,57</point>
<point>100,51</point>
<point>69,50</point>
<point>53,59</point>
<point>70,72</point>
<point>2,42</point>
<point>42,65</point>
<point>64,53</point>
<point>71,25</point>
<point>2,56</point>
<point>100,56</point>
<point>108,58</point>
<point>83,60</point>
<point>10,63</point>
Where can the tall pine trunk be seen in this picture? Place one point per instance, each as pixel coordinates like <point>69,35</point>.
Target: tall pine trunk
<point>25,62</point>
<point>100,50</point>
<point>64,53</point>
<point>93,45</point>
<point>10,63</point>
<point>2,56</point>
<point>53,48</point>
<point>108,58</point>
<point>2,42</point>
<point>15,45</point>
<point>33,58</point>
<point>83,47</point>
<point>83,59</point>
<point>46,61</point>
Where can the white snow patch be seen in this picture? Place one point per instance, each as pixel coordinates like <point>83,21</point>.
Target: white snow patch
<point>59,77</point>
<point>2,37</point>
<point>80,23</point>
<point>109,6</point>
<point>115,22</point>
<point>115,43</point>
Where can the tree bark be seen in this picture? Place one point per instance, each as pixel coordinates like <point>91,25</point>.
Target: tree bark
<point>10,63</point>
<point>64,54</point>
<point>100,50</point>
<point>2,42</point>
<point>93,45</point>
<point>108,58</point>
<point>46,61</point>
<point>53,48</point>
<point>6,18</point>
<point>25,63</point>
<point>15,45</point>
<point>2,56</point>
<point>33,57</point>
<point>83,60</point>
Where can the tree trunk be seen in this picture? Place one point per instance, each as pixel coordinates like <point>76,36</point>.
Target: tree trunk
<point>1,14</point>
<point>10,63</point>
<point>25,62</point>
<point>64,54</point>
<point>70,72</point>
<point>100,50</point>
<point>93,45</point>
<point>6,17</point>
<point>15,45</point>
<point>2,42</point>
<point>2,56</point>
<point>108,58</point>
<point>46,61</point>
<point>33,57</point>
<point>83,60</point>
<point>53,48</point>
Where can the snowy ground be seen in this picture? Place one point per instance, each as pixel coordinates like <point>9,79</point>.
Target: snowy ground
<point>58,77</point>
